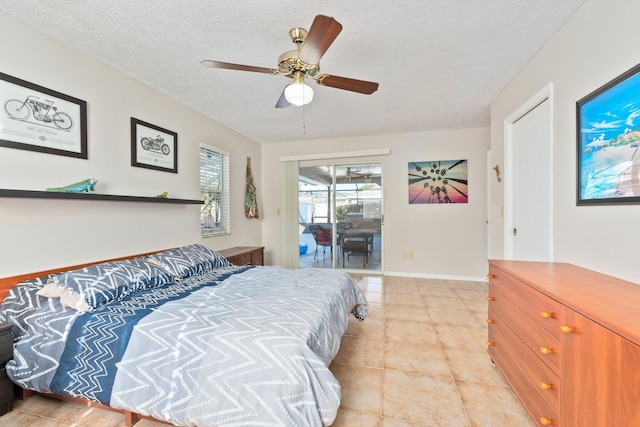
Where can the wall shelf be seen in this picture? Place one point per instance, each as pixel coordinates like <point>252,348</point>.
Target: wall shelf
<point>30,194</point>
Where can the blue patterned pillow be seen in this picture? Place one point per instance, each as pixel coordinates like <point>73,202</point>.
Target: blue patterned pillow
<point>91,287</point>
<point>21,301</point>
<point>188,260</point>
<point>141,275</point>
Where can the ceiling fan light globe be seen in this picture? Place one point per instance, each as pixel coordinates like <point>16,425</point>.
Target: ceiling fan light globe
<point>298,94</point>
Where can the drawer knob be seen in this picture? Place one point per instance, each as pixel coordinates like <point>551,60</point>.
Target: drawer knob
<point>490,276</point>
<point>545,421</point>
<point>490,343</point>
<point>489,320</point>
<point>546,314</point>
<point>545,350</point>
<point>566,329</point>
<point>490,298</point>
<point>545,385</point>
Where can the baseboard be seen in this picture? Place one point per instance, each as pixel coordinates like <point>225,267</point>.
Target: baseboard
<point>436,276</point>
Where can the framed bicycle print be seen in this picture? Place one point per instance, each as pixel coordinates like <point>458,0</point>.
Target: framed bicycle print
<point>608,140</point>
<point>39,119</point>
<point>153,147</point>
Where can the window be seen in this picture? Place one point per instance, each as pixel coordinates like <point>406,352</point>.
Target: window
<point>214,191</point>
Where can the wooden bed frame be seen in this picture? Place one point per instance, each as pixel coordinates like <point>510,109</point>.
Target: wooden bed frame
<point>6,283</point>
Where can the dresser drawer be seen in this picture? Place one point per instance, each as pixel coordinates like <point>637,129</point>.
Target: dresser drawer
<point>242,259</point>
<point>524,371</point>
<point>543,344</point>
<point>542,309</point>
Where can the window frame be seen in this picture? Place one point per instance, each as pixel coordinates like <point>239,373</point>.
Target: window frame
<point>222,211</point>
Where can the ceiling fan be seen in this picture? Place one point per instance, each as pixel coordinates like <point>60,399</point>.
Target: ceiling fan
<point>304,63</point>
<point>349,173</point>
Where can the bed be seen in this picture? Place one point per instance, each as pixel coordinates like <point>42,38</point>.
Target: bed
<point>185,337</point>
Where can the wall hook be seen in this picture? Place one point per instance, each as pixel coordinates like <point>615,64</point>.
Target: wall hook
<point>497,169</point>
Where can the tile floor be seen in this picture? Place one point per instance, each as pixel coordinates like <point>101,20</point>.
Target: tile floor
<point>418,360</point>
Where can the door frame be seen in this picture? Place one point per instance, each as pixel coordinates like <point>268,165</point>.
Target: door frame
<point>289,166</point>
<point>544,94</point>
<point>333,163</point>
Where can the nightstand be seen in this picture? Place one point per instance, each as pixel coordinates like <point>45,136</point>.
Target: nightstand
<point>244,255</point>
<point>6,354</point>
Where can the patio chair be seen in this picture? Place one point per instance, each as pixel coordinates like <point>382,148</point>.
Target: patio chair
<point>323,237</point>
<point>355,246</point>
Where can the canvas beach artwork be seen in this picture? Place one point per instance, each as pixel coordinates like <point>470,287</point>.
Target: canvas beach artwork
<point>608,135</point>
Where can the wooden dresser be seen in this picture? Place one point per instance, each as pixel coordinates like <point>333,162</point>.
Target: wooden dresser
<point>244,255</point>
<point>568,341</point>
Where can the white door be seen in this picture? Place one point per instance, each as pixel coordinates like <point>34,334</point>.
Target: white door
<point>531,226</point>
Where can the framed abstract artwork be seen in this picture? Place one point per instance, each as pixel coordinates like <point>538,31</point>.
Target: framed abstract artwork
<point>438,181</point>
<point>608,134</point>
<point>36,118</point>
<point>153,147</point>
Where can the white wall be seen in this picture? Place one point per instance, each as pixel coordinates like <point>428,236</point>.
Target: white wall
<point>38,234</point>
<point>448,241</point>
<point>597,44</point>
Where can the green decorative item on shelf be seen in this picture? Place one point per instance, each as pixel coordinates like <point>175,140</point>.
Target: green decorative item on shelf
<point>88,185</point>
<point>162,195</point>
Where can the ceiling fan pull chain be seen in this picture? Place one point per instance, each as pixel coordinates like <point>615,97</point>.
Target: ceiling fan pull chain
<point>304,124</point>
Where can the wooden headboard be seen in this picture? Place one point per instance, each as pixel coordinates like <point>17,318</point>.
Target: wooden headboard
<point>6,283</point>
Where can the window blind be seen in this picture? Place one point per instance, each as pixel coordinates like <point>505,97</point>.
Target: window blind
<point>214,191</point>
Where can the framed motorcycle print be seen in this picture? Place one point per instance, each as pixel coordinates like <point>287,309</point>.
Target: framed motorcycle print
<point>36,118</point>
<point>153,147</point>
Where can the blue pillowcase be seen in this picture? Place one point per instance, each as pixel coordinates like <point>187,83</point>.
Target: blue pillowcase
<point>21,301</point>
<point>188,260</point>
<point>90,287</point>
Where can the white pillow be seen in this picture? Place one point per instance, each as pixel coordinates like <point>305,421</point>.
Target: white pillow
<point>51,290</point>
<point>68,298</point>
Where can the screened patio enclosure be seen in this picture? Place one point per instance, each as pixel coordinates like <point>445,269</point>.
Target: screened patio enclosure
<point>342,206</point>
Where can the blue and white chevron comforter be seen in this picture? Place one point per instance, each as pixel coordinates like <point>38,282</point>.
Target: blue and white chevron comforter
<point>234,346</point>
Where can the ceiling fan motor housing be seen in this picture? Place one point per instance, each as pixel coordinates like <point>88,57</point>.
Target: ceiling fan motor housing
<point>288,62</point>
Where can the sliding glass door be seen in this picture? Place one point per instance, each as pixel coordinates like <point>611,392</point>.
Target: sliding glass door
<point>340,216</point>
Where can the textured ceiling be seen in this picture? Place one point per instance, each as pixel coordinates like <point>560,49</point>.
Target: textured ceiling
<point>439,63</point>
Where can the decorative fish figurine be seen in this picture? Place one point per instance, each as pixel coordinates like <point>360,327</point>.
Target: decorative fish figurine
<point>88,185</point>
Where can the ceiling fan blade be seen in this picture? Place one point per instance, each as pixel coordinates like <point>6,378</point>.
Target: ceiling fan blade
<point>360,86</point>
<point>322,33</point>
<point>240,67</point>
<point>282,102</point>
